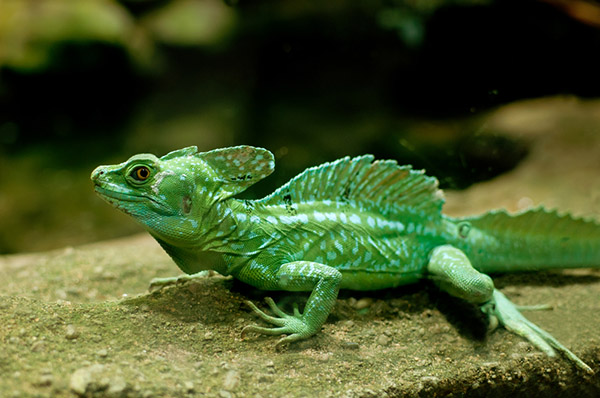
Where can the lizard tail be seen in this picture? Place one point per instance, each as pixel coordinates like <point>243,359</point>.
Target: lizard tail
<point>536,239</point>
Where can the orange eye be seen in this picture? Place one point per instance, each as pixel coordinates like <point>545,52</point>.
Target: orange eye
<point>141,173</point>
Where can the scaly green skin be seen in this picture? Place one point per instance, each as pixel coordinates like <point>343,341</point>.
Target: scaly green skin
<point>351,224</point>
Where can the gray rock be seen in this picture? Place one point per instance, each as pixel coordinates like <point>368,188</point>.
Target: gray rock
<point>71,332</point>
<point>82,378</point>
<point>231,380</point>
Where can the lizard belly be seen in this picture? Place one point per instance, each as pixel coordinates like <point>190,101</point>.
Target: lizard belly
<point>380,264</point>
<point>368,280</point>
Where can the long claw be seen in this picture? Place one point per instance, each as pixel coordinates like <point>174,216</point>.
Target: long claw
<point>246,329</point>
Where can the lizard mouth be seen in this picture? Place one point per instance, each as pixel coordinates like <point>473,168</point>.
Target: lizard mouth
<point>117,197</point>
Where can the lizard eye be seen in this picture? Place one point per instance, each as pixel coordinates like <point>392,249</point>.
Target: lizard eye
<point>141,173</point>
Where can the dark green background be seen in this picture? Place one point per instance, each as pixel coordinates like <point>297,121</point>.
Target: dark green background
<point>409,80</point>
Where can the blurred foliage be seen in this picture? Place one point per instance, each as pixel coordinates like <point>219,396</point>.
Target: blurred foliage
<point>409,17</point>
<point>84,82</point>
<point>191,22</point>
<point>31,30</point>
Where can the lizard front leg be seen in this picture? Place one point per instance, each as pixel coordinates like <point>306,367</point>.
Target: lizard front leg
<point>323,282</point>
<point>159,283</point>
<point>452,271</point>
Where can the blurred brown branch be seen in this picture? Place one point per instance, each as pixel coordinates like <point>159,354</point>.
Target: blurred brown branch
<point>585,11</point>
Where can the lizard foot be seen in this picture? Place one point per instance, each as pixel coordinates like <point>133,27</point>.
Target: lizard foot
<point>293,325</point>
<point>501,311</point>
<point>160,283</point>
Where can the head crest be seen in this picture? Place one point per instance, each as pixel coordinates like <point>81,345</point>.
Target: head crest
<point>236,168</point>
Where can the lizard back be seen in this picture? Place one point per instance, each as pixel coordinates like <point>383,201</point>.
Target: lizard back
<point>365,217</point>
<point>381,185</point>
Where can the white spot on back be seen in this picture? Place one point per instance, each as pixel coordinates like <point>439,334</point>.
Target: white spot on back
<point>286,219</point>
<point>339,246</point>
<point>355,219</point>
<point>319,216</point>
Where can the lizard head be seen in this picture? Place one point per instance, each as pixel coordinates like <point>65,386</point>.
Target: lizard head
<point>173,196</point>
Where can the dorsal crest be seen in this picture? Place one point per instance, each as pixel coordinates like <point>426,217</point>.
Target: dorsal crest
<point>537,221</point>
<point>382,185</point>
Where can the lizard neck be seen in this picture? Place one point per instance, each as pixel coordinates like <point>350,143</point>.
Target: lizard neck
<point>231,228</point>
<point>214,238</point>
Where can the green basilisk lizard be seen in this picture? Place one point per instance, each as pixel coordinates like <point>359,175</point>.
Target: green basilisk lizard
<point>354,223</point>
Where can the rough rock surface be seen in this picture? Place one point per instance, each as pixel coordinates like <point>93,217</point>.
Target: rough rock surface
<point>81,322</point>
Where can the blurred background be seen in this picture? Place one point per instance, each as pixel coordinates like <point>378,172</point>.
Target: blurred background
<point>92,82</point>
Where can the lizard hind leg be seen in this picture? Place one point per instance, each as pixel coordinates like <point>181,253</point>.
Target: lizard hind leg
<point>451,270</point>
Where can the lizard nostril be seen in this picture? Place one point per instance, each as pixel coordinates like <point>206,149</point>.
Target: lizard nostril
<point>98,172</point>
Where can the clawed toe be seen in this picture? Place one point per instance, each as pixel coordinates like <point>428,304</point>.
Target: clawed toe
<point>262,330</point>
<point>266,317</point>
<point>161,283</point>
<point>502,311</point>
<point>292,325</point>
